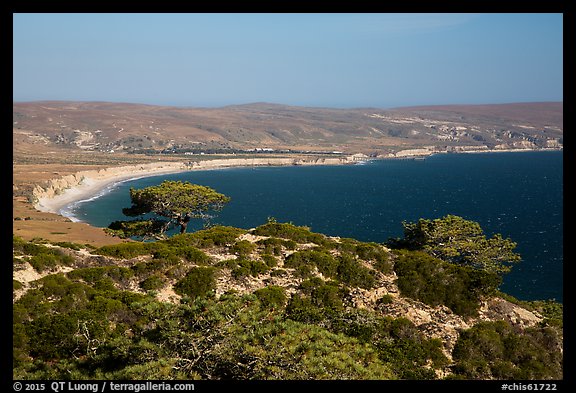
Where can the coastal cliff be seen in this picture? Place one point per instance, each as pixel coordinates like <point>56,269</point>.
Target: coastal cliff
<point>61,191</point>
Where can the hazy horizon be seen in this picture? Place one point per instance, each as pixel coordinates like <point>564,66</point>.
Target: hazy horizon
<point>281,104</point>
<point>310,60</point>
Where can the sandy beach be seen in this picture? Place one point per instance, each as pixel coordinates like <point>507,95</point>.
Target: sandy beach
<point>64,191</point>
<point>88,187</point>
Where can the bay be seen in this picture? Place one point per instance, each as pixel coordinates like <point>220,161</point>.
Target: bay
<point>516,194</point>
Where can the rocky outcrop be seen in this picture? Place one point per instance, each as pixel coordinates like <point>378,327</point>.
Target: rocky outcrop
<point>500,309</point>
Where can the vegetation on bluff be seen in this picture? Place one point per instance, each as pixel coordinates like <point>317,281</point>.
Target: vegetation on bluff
<point>276,302</point>
<point>435,282</point>
<point>461,242</point>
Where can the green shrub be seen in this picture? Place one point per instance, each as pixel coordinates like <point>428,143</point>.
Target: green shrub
<point>43,262</point>
<point>144,269</point>
<point>273,245</point>
<point>243,248</point>
<point>496,350</point>
<point>269,260</point>
<point>41,257</point>
<point>385,299</point>
<point>228,264</point>
<point>194,255</point>
<point>20,346</point>
<point>105,284</point>
<point>303,271</point>
<point>16,285</point>
<point>248,268</point>
<point>324,294</point>
<point>55,293</point>
<point>376,254</point>
<point>359,323</point>
<point>22,247</point>
<point>49,260</point>
<point>347,245</point>
<point>219,236</point>
<point>271,296</point>
<point>410,354</point>
<point>72,246</point>
<point>407,359</point>
<point>104,306</point>
<point>351,272</point>
<point>174,252</point>
<point>291,232</point>
<point>434,282</point>
<point>126,250</point>
<point>165,253</point>
<point>152,283</point>
<point>236,344</point>
<point>301,309</point>
<point>94,274</point>
<point>326,263</point>
<point>319,300</point>
<point>53,336</point>
<point>552,311</point>
<point>200,281</point>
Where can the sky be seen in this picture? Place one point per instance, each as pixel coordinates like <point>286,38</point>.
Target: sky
<point>322,60</point>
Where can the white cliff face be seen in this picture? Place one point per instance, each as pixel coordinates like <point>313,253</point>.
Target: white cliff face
<point>61,191</point>
<point>64,190</point>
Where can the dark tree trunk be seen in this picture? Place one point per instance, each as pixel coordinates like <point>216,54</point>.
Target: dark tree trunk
<point>184,223</point>
<point>183,227</point>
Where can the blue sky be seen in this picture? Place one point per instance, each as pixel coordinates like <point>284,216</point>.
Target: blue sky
<point>325,60</point>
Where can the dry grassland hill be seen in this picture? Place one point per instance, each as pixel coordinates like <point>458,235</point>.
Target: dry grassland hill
<point>136,128</point>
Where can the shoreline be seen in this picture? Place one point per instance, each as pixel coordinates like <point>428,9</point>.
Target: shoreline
<point>64,192</point>
<point>54,199</point>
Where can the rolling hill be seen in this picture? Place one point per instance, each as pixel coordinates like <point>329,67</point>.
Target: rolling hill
<point>136,128</point>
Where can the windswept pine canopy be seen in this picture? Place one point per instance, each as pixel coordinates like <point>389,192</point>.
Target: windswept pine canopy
<point>177,201</point>
<point>462,242</point>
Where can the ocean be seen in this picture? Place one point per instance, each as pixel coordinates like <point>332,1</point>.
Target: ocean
<point>516,194</point>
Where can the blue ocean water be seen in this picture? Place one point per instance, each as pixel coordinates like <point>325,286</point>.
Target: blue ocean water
<point>519,195</point>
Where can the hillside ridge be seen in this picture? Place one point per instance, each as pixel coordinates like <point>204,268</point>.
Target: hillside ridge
<point>107,127</point>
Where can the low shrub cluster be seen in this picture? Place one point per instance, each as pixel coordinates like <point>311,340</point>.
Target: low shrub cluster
<point>495,350</point>
<point>41,257</point>
<point>126,250</point>
<point>344,267</point>
<point>397,341</point>
<point>102,274</point>
<point>87,324</point>
<point>434,282</point>
<point>199,281</point>
<point>271,296</point>
<point>374,253</point>
<point>217,236</point>
<point>274,246</point>
<point>289,231</point>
